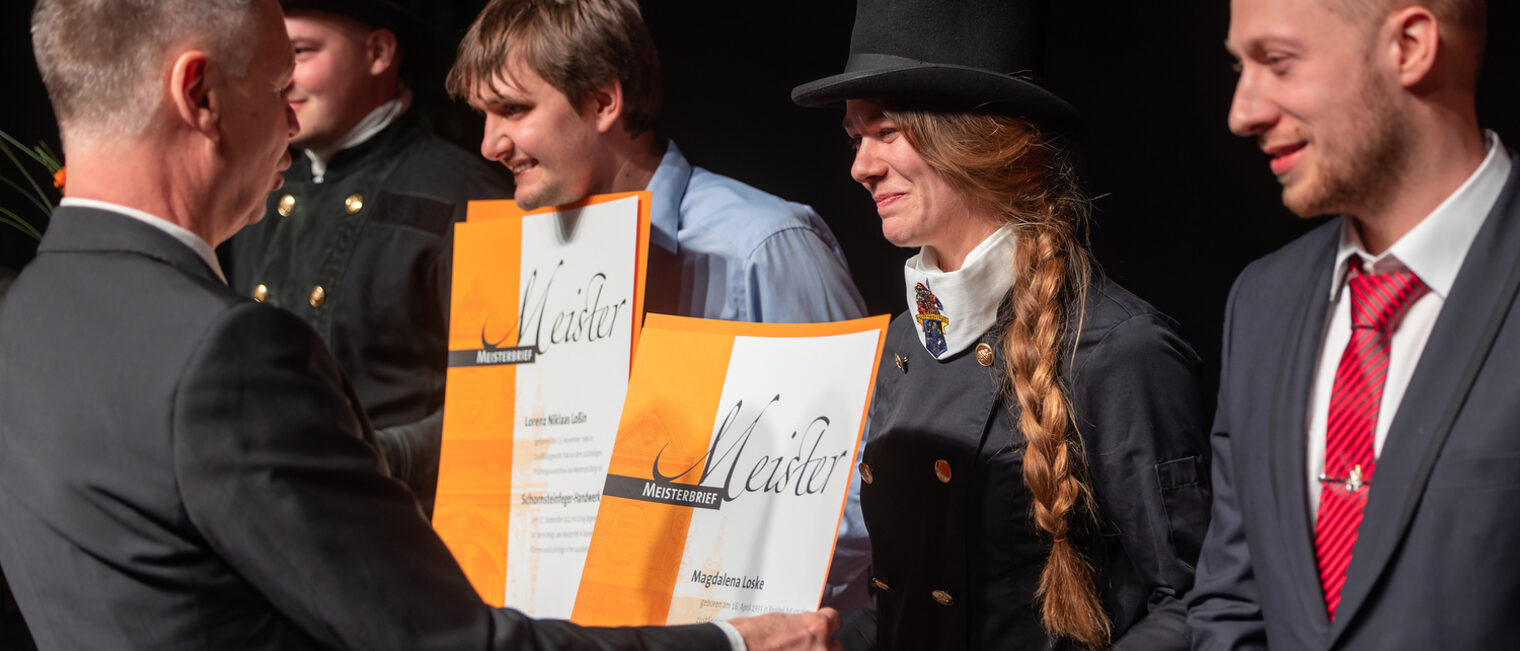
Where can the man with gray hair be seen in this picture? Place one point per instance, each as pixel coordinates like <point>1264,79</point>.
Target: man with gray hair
<point>182,467</point>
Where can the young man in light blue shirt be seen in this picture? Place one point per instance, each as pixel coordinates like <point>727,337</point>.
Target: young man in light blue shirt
<point>571,94</point>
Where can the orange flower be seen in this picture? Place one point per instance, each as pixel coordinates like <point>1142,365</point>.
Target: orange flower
<point>59,177</point>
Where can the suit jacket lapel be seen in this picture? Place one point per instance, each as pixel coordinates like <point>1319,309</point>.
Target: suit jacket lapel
<point>1459,344</point>
<point>75,229</point>
<point>1303,335</point>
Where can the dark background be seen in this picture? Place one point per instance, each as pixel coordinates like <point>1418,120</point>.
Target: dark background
<point>1182,205</point>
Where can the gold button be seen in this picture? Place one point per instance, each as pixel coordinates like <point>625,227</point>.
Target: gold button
<point>942,597</point>
<point>318,296</point>
<point>865,473</point>
<point>902,362</point>
<point>881,584</point>
<point>261,292</point>
<point>287,205</point>
<point>354,203</point>
<point>942,471</point>
<point>984,354</point>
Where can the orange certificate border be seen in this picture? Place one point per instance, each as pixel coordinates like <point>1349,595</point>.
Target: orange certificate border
<point>471,514</point>
<point>626,591</point>
<point>480,211</point>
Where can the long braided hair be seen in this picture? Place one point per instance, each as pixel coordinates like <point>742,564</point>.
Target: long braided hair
<point>1008,165</point>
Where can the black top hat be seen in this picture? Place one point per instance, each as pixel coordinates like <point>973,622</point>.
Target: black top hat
<point>956,55</point>
<point>395,16</point>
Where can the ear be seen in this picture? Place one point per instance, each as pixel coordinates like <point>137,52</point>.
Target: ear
<point>380,50</point>
<point>190,93</point>
<point>1416,42</point>
<point>606,105</point>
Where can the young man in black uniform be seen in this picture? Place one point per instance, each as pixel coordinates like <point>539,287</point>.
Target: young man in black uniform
<point>357,242</point>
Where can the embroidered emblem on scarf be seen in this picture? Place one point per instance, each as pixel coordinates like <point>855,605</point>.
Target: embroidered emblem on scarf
<point>929,318</point>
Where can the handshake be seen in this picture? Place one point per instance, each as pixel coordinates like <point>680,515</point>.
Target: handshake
<point>799,631</point>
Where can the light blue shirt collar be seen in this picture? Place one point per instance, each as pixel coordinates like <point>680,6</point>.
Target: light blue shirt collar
<point>1435,248</point>
<point>668,187</point>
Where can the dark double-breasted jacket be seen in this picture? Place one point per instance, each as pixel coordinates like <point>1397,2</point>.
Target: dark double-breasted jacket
<point>364,259</point>
<point>956,556</point>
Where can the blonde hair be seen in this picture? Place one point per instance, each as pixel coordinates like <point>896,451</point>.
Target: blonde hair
<point>1005,163</point>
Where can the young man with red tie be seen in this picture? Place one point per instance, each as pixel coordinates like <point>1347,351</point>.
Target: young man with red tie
<point>1366,462</point>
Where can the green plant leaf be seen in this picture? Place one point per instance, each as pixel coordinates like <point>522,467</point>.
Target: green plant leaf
<point>24,174</point>
<point>36,156</point>
<point>41,199</point>
<point>42,204</point>
<point>15,221</point>
<point>50,158</point>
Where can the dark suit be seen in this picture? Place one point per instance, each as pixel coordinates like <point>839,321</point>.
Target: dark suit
<point>955,555</point>
<point>1432,565</point>
<point>184,468</point>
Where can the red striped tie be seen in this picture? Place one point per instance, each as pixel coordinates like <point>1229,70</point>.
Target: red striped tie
<point>1378,301</point>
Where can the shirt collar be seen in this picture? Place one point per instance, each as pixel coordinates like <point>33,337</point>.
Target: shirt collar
<point>196,244</point>
<point>667,188</point>
<point>367,128</point>
<point>1435,248</point>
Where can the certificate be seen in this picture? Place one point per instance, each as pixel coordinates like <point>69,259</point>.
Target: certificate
<point>544,313</point>
<point>730,472</point>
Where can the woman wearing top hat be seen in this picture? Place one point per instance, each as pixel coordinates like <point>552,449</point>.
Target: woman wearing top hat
<point>1036,472</point>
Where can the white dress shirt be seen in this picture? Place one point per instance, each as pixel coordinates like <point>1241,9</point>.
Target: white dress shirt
<point>196,244</point>
<point>1434,250</point>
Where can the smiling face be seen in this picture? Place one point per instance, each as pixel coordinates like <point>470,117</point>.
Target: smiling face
<point>917,206</point>
<point>330,93</point>
<point>552,147</point>
<point>1312,95</point>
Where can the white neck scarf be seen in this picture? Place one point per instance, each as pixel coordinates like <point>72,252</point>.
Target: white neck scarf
<point>952,309</point>
<point>367,128</point>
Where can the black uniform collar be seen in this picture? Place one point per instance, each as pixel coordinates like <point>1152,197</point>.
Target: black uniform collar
<point>389,140</point>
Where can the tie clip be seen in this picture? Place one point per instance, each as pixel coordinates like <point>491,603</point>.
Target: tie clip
<point>1353,482</point>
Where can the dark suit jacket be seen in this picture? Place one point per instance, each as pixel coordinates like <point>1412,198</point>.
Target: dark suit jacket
<point>183,468</point>
<point>1432,566</point>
